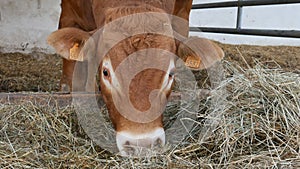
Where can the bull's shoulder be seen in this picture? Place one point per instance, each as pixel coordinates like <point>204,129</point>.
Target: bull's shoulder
<point>77,13</point>
<point>182,8</point>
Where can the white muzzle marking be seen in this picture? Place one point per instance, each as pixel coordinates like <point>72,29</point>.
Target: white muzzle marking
<point>138,144</point>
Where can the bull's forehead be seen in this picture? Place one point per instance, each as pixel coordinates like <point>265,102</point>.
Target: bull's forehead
<point>139,79</point>
<point>139,68</point>
<point>156,49</point>
<point>132,28</point>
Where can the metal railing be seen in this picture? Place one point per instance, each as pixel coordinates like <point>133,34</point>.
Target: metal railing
<point>243,31</point>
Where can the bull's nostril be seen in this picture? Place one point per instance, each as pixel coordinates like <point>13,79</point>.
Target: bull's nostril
<point>127,143</point>
<point>128,148</point>
<point>158,143</point>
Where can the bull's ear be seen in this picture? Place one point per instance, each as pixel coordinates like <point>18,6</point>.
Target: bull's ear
<point>70,43</point>
<point>199,53</point>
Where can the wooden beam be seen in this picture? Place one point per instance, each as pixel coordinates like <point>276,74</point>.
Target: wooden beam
<point>55,99</point>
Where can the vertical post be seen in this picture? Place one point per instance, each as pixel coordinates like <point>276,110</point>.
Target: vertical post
<point>39,5</point>
<point>239,15</point>
<point>0,16</point>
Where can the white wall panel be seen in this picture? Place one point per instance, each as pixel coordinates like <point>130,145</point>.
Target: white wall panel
<point>272,17</point>
<point>222,17</point>
<point>209,1</point>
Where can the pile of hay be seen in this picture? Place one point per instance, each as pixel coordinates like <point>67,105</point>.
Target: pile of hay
<point>259,126</point>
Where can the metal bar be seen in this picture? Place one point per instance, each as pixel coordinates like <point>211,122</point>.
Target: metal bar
<point>239,15</point>
<point>243,3</point>
<point>54,99</point>
<point>257,32</point>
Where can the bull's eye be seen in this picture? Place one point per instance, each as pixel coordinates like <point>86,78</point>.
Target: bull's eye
<point>171,74</point>
<point>106,72</point>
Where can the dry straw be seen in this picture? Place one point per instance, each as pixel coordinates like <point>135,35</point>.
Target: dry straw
<point>258,127</point>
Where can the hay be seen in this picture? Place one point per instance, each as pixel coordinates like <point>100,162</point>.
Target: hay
<point>259,127</point>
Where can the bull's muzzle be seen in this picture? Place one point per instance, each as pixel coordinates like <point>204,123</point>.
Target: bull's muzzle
<point>130,144</point>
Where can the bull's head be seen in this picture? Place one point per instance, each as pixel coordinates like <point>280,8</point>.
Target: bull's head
<point>136,68</point>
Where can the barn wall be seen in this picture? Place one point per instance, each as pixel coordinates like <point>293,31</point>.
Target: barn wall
<point>25,24</point>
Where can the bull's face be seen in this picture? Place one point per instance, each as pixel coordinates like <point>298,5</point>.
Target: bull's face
<point>136,78</point>
<point>136,73</point>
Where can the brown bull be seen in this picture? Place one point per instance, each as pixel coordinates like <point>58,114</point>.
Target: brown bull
<point>136,73</point>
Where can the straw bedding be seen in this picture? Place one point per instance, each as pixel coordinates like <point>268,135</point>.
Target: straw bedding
<point>257,124</point>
